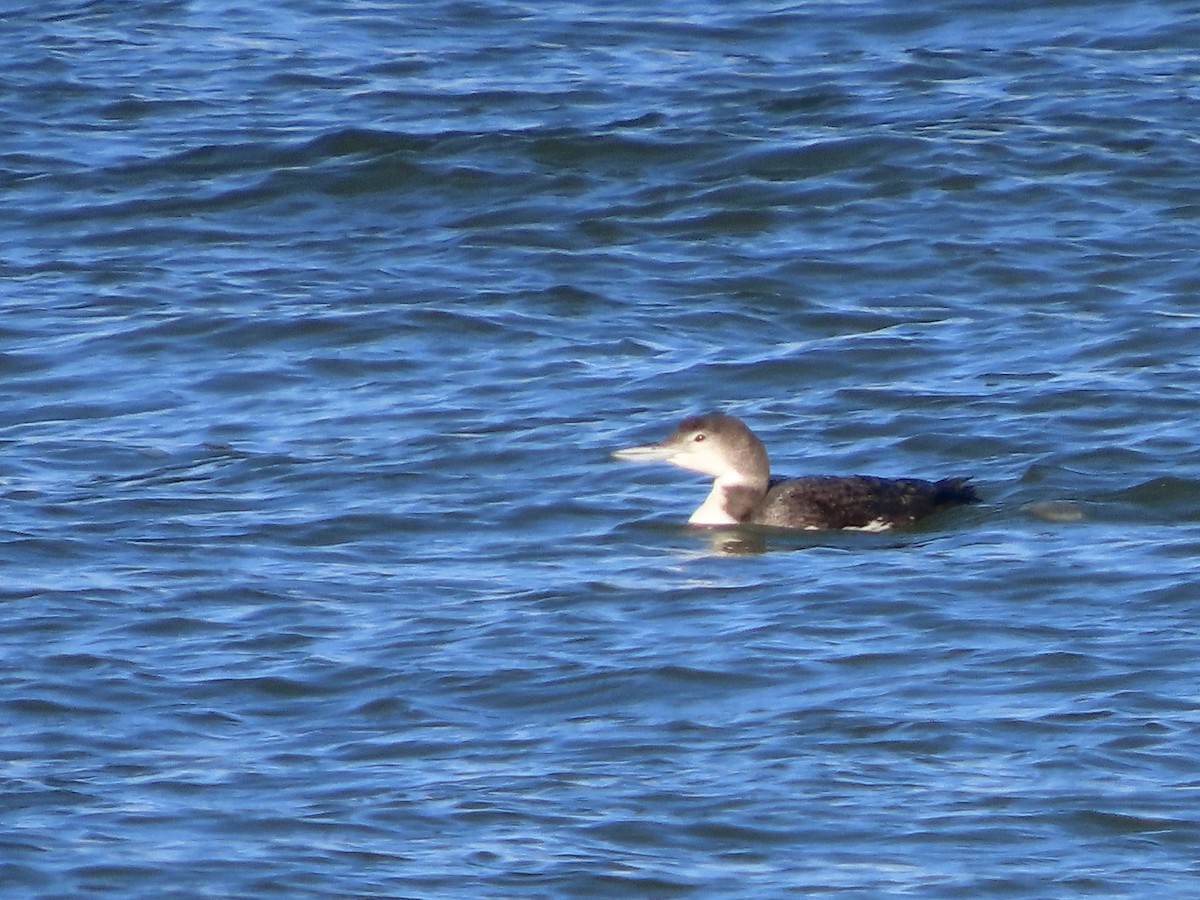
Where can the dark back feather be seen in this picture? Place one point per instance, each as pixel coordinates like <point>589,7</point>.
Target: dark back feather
<point>856,501</point>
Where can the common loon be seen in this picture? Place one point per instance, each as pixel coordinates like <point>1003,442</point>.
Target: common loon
<point>743,492</point>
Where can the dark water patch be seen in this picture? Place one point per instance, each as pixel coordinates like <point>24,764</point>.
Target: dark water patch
<point>1175,499</point>
<point>1113,823</point>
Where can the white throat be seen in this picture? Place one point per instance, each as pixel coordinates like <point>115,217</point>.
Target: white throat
<point>715,508</point>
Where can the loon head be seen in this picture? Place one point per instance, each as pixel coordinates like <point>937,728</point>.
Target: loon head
<point>723,448</point>
<point>713,444</point>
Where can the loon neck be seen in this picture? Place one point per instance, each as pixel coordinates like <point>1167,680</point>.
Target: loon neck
<point>732,498</point>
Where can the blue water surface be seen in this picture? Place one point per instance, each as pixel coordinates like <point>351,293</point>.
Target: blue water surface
<point>320,321</point>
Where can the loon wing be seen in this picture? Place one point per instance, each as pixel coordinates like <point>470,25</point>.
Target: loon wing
<point>857,501</point>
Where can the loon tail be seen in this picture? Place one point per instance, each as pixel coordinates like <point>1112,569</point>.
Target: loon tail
<point>952,491</point>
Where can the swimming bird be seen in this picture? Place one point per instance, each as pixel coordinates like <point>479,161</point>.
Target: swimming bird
<point>743,492</point>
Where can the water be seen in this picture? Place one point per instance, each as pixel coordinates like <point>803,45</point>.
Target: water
<point>320,321</point>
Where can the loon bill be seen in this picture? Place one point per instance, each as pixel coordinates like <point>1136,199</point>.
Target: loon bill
<point>743,492</point>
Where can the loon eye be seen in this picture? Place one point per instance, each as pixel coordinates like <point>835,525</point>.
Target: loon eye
<point>698,438</point>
